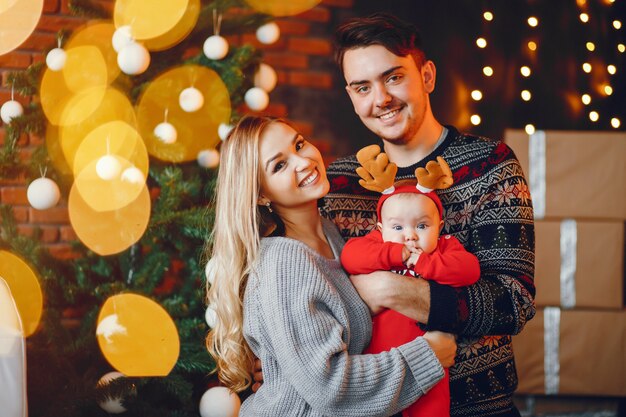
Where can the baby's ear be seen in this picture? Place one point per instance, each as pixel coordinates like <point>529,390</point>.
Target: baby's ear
<point>379,226</point>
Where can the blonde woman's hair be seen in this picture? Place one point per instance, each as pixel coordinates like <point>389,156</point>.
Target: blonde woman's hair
<point>235,244</point>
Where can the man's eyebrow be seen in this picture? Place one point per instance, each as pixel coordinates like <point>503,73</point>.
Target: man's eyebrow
<point>384,74</point>
<point>279,154</point>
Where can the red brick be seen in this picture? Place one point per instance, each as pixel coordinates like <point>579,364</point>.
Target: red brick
<point>53,23</point>
<point>68,234</point>
<point>338,3</point>
<point>311,46</point>
<point>40,41</point>
<point>304,128</point>
<point>316,14</point>
<point>106,4</point>
<point>62,251</point>
<point>286,60</point>
<point>20,214</point>
<point>34,140</point>
<point>13,196</point>
<point>54,215</point>
<point>318,80</point>
<point>282,77</point>
<point>49,234</point>
<point>15,60</point>
<point>38,57</point>
<point>293,27</point>
<point>25,154</point>
<point>323,145</point>
<point>51,6</point>
<point>274,110</point>
<point>5,95</point>
<point>250,38</point>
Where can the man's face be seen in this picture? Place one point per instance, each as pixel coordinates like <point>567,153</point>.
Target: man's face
<point>389,92</point>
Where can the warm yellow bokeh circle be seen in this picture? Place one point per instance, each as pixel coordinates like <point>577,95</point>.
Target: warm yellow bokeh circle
<point>109,232</point>
<point>137,336</point>
<point>282,7</point>
<point>179,32</point>
<point>55,151</point>
<point>25,289</point>
<point>149,18</point>
<point>97,33</point>
<point>195,130</point>
<point>18,19</point>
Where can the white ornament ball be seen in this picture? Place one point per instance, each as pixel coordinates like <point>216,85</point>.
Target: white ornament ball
<point>133,59</point>
<point>219,402</point>
<point>133,175</point>
<point>268,33</point>
<point>210,315</point>
<point>215,47</point>
<point>208,276</point>
<point>166,132</point>
<point>208,158</point>
<point>111,405</point>
<point>108,167</point>
<point>122,37</point>
<point>191,99</point>
<point>55,60</point>
<point>10,110</point>
<point>257,99</point>
<point>265,78</point>
<point>43,193</point>
<point>223,130</point>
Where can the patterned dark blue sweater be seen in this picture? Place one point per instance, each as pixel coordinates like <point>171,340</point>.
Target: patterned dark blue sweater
<point>490,211</point>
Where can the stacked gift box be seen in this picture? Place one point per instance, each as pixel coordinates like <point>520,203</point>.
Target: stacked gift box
<point>576,344</point>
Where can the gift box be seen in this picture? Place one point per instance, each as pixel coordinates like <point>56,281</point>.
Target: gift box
<point>573,352</point>
<point>573,174</point>
<point>579,264</point>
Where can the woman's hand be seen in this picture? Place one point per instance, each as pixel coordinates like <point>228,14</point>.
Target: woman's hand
<point>444,346</point>
<point>257,375</point>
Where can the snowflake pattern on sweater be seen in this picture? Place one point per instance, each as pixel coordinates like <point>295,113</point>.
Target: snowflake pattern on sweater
<point>489,210</point>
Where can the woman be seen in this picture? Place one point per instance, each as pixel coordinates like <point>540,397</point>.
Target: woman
<point>285,299</point>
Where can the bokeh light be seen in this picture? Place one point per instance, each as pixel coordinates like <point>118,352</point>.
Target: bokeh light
<point>488,71</point>
<point>586,99</point>
<point>587,67</point>
<point>18,19</point>
<point>475,119</point>
<point>532,45</point>
<point>533,21</point>
<point>477,95</point>
<point>590,46</point>
<point>147,19</point>
<point>594,116</point>
<point>615,122</point>
<point>611,69</point>
<point>282,7</point>
<point>179,32</point>
<point>525,71</point>
<point>526,95</point>
<point>98,34</point>
<point>530,129</point>
<point>481,42</point>
<point>488,16</point>
<point>584,17</point>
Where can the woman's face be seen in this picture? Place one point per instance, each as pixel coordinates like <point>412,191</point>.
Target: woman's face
<point>292,169</point>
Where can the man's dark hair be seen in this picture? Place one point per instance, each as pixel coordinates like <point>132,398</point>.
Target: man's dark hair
<point>399,37</point>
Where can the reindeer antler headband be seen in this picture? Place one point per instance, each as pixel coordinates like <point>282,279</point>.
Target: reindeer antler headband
<point>378,174</point>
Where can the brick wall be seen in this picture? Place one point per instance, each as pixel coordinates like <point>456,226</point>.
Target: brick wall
<point>302,58</point>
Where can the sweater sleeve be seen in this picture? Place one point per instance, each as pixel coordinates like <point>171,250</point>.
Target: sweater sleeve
<point>362,255</point>
<point>450,264</point>
<point>501,234</point>
<point>304,314</point>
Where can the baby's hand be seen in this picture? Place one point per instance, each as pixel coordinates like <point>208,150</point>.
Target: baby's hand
<point>413,258</point>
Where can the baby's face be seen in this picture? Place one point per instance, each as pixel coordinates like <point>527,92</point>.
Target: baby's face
<point>411,219</point>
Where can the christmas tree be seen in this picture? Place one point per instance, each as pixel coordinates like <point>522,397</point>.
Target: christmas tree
<point>132,107</point>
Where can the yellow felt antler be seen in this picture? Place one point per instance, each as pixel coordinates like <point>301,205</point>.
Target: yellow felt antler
<point>377,173</point>
<point>436,175</point>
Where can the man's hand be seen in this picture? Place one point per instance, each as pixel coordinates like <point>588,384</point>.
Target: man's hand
<point>257,375</point>
<point>444,346</point>
<point>370,288</point>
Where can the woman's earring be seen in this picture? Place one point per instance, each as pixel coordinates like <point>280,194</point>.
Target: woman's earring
<point>269,207</point>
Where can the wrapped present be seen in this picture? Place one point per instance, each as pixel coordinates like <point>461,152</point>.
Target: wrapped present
<point>573,174</point>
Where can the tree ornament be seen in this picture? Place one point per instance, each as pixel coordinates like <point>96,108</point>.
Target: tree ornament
<point>133,175</point>
<point>55,59</point>
<point>113,405</point>
<point>43,193</point>
<point>210,315</point>
<point>208,158</point>
<point>122,37</point>
<point>165,131</point>
<point>219,402</point>
<point>223,130</point>
<point>256,99</point>
<point>191,99</point>
<point>133,59</point>
<point>108,167</point>
<point>10,110</point>
<point>268,33</point>
<point>265,77</point>
<point>210,278</point>
<point>215,47</point>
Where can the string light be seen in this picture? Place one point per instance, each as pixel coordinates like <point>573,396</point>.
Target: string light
<point>586,99</point>
<point>581,2</point>
<point>615,122</point>
<point>477,95</point>
<point>621,47</point>
<point>608,90</point>
<point>525,71</point>
<point>584,17</point>
<point>475,119</point>
<point>587,67</point>
<point>533,46</point>
<point>488,16</point>
<point>533,21</point>
<point>481,42</point>
<point>594,116</point>
<point>526,96</point>
<point>590,46</point>
<point>617,24</point>
<point>611,69</point>
<point>488,71</point>
<point>530,129</point>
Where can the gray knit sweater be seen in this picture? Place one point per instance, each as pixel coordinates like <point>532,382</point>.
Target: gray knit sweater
<point>307,324</point>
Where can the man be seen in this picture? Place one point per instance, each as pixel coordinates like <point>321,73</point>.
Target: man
<point>488,209</point>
